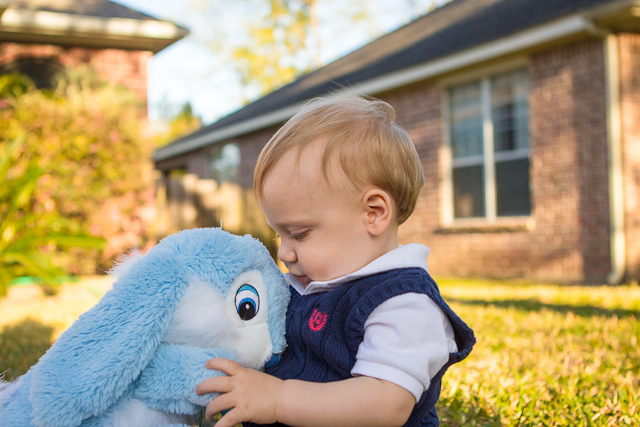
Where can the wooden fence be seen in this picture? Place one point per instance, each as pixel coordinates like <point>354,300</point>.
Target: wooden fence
<point>190,202</point>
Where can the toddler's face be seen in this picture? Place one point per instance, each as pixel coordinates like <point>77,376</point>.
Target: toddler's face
<point>323,233</point>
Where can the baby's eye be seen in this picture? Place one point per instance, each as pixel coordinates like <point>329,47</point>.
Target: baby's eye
<point>300,236</point>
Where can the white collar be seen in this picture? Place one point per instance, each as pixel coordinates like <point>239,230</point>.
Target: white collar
<point>404,256</point>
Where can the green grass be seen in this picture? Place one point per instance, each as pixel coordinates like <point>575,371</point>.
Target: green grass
<point>30,321</point>
<point>546,355</point>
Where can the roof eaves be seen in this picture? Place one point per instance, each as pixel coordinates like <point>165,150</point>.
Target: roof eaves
<point>230,131</point>
<point>154,35</point>
<point>564,27</point>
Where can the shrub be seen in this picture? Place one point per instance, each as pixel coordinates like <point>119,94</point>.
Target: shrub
<point>24,228</point>
<point>86,136</point>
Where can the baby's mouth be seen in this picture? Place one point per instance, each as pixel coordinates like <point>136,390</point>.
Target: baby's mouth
<point>305,280</point>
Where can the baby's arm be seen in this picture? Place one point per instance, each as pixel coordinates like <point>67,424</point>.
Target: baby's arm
<point>407,340</point>
<point>386,386</point>
<point>264,399</point>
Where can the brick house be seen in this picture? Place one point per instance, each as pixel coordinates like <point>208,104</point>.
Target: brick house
<point>523,112</point>
<point>40,37</point>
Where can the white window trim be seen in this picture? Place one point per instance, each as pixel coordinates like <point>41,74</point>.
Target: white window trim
<point>447,162</point>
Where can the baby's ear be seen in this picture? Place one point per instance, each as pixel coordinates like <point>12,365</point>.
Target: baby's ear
<point>379,210</point>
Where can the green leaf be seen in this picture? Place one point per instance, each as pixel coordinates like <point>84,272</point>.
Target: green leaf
<point>60,240</point>
<point>5,158</point>
<point>31,263</point>
<point>24,188</point>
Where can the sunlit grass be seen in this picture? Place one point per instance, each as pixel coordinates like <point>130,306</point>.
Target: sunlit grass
<point>546,355</point>
<point>30,321</point>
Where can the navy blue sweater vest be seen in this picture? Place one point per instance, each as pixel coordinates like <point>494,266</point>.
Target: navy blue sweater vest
<point>324,332</point>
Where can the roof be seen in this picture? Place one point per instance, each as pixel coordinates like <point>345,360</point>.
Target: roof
<point>90,23</point>
<point>459,26</point>
<point>99,8</point>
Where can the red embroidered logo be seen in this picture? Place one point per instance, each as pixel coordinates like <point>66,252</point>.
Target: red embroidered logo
<point>317,320</point>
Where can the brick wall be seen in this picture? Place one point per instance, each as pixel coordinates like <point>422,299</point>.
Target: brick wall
<point>250,147</point>
<point>570,166</point>
<point>128,68</point>
<point>570,241</point>
<point>630,109</point>
<point>195,162</point>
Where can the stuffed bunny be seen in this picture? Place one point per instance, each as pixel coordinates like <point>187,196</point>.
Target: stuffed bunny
<point>136,357</point>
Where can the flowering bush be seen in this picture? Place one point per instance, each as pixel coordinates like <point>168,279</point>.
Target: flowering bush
<point>25,229</point>
<point>86,136</point>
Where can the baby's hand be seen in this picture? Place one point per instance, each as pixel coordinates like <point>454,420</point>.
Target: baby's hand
<point>251,395</point>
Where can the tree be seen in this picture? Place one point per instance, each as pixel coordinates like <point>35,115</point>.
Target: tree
<point>179,125</point>
<point>268,43</point>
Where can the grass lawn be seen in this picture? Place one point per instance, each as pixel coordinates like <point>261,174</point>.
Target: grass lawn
<point>546,355</point>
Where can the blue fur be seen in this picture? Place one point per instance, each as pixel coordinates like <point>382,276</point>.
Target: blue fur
<point>113,352</point>
<point>158,390</point>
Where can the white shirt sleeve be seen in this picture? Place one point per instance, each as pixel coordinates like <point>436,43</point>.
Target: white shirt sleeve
<point>407,340</point>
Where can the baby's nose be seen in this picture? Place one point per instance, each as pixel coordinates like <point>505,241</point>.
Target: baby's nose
<point>286,254</point>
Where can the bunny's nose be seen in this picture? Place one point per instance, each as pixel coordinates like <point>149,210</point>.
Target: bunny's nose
<point>275,359</point>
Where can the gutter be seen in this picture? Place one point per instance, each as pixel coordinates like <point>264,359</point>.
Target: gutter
<point>616,185</point>
<point>564,27</point>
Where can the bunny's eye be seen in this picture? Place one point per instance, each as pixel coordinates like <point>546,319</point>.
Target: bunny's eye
<point>247,302</point>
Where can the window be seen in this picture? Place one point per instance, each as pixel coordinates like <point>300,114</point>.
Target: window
<point>42,71</point>
<point>224,162</point>
<point>489,140</point>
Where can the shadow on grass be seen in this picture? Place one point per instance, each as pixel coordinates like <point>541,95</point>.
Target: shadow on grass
<point>21,345</point>
<point>535,305</point>
<point>458,411</point>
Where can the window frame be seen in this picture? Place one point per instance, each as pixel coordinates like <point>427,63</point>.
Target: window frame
<point>487,159</point>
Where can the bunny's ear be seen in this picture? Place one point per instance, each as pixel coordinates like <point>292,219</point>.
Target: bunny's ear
<point>125,262</point>
<point>96,360</point>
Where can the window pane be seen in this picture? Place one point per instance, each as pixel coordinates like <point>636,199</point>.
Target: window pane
<point>224,163</point>
<point>465,112</point>
<point>512,187</point>
<point>468,191</point>
<point>510,111</point>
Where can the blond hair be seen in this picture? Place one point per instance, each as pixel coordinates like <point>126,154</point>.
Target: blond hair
<point>370,147</point>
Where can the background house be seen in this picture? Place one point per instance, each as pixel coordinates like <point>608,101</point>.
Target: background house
<point>523,114</point>
<point>40,37</point>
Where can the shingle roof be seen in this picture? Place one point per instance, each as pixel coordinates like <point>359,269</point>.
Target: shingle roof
<point>99,8</point>
<point>454,27</point>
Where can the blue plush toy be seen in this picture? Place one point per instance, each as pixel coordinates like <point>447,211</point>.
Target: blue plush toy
<point>136,357</point>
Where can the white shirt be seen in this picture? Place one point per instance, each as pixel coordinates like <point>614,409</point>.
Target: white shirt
<point>408,338</point>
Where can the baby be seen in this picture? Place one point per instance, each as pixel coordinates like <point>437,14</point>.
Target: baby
<point>369,336</point>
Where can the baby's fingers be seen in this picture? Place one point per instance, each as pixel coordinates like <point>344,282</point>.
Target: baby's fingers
<point>214,385</point>
<point>230,419</point>
<point>228,366</point>
<point>219,404</point>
